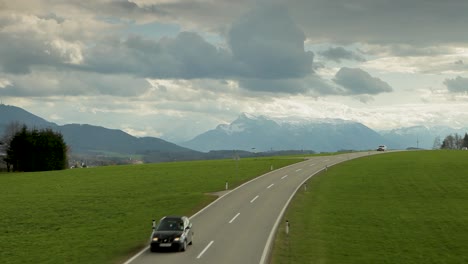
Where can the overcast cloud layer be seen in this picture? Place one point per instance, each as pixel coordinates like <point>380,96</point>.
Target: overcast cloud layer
<point>176,68</point>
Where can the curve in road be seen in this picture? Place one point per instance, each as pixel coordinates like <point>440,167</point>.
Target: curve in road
<point>239,226</point>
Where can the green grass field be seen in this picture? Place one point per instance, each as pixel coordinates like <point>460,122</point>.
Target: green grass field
<point>406,207</point>
<point>103,215</point>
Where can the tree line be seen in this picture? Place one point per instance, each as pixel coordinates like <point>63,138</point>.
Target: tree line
<point>452,141</point>
<point>33,149</point>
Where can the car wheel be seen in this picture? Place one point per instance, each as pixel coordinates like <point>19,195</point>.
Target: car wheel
<point>184,246</point>
<point>153,249</point>
<point>191,242</point>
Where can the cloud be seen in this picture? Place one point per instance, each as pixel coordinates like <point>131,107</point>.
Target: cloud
<point>357,82</point>
<point>30,41</point>
<point>339,53</point>
<point>58,84</point>
<point>457,85</point>
<point>186,56</point>
<point>407,50</point>
<point>383,22</point>
<point>269,44</point>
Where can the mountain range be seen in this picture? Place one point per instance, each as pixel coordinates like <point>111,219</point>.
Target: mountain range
<point>263,134</point>
<point>100,144</point>
<point>247,134</point>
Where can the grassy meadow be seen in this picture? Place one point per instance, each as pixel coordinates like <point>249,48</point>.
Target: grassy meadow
<point>103,214</point>
<point>405,207</point>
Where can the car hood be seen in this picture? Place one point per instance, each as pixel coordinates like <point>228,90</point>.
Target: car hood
<point>167,234</point>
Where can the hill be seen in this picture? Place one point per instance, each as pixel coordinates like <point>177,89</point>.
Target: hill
<point>101,145</point>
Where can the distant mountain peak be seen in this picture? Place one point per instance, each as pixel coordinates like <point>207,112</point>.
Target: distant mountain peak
<point>263,133</point>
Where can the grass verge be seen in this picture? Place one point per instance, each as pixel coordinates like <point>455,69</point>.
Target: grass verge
<point>406,207</point>
<point>103,214</point>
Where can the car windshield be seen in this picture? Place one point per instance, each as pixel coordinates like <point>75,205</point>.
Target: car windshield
<point>170,224</point>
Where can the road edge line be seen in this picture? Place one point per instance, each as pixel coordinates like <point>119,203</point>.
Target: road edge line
<point>215,201</point>
<point>268,244</point>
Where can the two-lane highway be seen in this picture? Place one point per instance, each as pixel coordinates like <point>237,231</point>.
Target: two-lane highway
<point>239,226</point>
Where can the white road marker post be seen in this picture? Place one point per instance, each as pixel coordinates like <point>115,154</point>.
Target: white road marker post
<point>227,185</point>
<point>305,186</point>
<point>287,228</point>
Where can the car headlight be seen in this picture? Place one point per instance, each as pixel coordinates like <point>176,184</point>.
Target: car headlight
<point>155,239</point>
<point>177,239</point>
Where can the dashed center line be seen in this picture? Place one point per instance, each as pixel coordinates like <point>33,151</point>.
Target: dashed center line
<point>255,198</point>
<point>284,177</point>
<point>234,218</point>
<point>204,250</point>
<point>298,170</point>
<point>271,185</point>
<point>313,164</point>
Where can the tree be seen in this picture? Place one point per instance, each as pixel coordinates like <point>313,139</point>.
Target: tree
<point>437,144</point>
<point>453,142</point>
<point>37,150</point>
<point>465,141</point>
<point>10,131</point>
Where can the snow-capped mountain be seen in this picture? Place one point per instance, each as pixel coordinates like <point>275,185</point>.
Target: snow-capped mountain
<point>260,133</point>
<point>421,136</point>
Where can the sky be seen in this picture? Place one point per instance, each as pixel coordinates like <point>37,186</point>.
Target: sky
<point>176,68</point>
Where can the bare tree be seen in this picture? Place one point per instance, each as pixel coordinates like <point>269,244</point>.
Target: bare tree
<point>453,142</point>
<point>437,144</point>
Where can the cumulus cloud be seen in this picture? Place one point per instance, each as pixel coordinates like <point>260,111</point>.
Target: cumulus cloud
<point>356,82</point>
<point>457,85</point>
<point>338,54</point>
<point>186,56</point>
<point>29,41</point>
<point>269,44</point>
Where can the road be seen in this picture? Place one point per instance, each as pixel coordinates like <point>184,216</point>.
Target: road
<point>240,225</point>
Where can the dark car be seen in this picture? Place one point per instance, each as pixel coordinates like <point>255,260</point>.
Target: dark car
<point>172,232</point>
<point>382,148</point>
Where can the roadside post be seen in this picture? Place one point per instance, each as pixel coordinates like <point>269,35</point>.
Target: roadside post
<point>227,185</point>
<point>288,242</point>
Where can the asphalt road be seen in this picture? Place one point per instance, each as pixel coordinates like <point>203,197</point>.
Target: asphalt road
<point>240,225</point>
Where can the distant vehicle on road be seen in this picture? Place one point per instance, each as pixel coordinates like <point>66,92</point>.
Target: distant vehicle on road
<point>172,232</point>
<point>382,148</point>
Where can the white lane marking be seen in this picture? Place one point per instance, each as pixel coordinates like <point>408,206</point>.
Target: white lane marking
<point>271,185</point>
<point>313,164</point>
<point>137,255</point>
<point>284,177</point>
<point>251,201</point>
<point>298,170</point>
<point>204,250</point>
<point>234,218</point>
<point>327,160</point>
